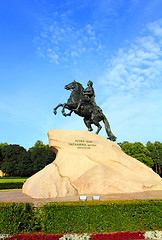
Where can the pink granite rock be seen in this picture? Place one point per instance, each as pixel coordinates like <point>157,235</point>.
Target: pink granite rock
<point>87,163</point>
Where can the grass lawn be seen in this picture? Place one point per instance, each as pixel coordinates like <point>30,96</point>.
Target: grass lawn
<point>4,190</point>
<point>12,179</point>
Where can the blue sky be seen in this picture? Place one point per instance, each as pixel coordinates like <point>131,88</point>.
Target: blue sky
<point>46,44</point>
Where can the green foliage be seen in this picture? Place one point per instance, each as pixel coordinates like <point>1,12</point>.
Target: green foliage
<point>38,144</point>
<point>17,161</point>
<point>113,216</point>
<point>81,217</point>
<point>122,143</point>
<point>3,145</point>
<point>11,185</point>
<point>139,151</point>
<point>16,217</point>
<point>1,156</point>
<point>155,150</point>
<point>40,156</point>
<point>156,154</point>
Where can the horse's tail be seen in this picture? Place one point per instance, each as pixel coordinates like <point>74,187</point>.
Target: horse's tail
<point>108,129</point>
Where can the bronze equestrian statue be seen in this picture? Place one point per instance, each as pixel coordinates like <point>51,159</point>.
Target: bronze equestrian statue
<point>82,102</point>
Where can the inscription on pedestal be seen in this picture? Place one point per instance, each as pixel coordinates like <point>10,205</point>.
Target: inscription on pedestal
<point>82,144</point>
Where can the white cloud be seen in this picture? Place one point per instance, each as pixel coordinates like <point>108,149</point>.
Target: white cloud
<point>51,54</point>
<point>131,88</point>
<point>90,30</point>
<point>156,27</point>
<point>138,67</point>
<point>66,37</point>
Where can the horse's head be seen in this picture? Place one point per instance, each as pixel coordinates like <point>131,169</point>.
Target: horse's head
<point>71,85</point>
<point>74,85</point>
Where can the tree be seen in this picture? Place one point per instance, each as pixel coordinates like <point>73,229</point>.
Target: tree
<point>16,161</point>
<point>24,165</point>
<point>122,143</point>
<point>156,154</point>
<point>3,145</point>
<point>139,151</point>
<point>12,157</point>
<point>40,156</point>
<point>1,156</point>
<point>39,144</point>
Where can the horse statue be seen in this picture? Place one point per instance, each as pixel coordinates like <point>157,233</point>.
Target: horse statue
<point>89,110</point>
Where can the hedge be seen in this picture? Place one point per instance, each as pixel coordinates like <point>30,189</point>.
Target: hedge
<point>11,185</point>
<point>16,217</point>
<point>108,216</point>
<point>81,217</point>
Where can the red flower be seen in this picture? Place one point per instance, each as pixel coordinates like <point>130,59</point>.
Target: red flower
<point>35,237</point>
<point>118,236</point>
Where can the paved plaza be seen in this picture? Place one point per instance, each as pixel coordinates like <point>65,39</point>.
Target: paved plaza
<point>17,196</point>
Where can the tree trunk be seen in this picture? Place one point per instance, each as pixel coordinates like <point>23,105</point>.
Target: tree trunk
<point>159,169</point>
<point>156,167</point>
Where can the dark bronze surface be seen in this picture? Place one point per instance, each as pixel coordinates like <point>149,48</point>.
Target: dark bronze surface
<point>82,102</point>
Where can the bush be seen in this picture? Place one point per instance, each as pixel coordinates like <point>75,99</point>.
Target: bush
<point>81,217</point>
<point>16,217</point>
<point>11,185</point>
<point>110,216</point>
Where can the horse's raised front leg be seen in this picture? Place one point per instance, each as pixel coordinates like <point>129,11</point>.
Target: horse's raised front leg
<point>69,114</point>
<point>65,105</point>
<point>54,110</point>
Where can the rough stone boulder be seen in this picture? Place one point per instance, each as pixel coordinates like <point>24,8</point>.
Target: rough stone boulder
<point>87,163</point>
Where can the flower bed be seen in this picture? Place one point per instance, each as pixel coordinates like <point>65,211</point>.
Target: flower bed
<point>34,237</point>
<point>118,236</point>
<point>95,236</point>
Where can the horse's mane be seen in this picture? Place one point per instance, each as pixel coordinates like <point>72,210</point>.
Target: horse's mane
<point>80,86</point>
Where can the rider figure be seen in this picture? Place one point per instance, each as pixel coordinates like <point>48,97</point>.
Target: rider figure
<point>89,95</point>
<point>89,92</point>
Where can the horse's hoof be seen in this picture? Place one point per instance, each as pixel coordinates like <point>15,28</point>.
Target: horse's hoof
<point>54,111</point>
<point>112,138</point>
